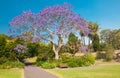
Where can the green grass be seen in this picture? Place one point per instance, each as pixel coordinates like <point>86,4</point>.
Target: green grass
<point>11,73</point>
<point>107,70</point>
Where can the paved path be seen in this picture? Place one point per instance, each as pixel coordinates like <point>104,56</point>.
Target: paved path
<point>31,71</point>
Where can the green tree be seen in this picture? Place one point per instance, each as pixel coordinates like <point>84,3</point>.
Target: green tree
<point>73,43</point>
<point>3,41</point>
<point>116,39</point>
<point>106,36</point>
<point>93,35</point>
<point>10,53</point>
<point>45,52</point>
<point>96,43</point>
<point>111,37</point>
<point>32,49</point>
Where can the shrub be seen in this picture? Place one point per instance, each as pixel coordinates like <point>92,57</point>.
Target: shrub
<point>73,64</point>
<point>101,55</point>
<point>16,64</point>
<point>56,62</point>
<point>10,64</point>
<point>107,54</point>
<point>41,57</point>
<point>81,61</point>
<point>3,60</point>
<point>39,63</point>
<point>84,60</point>
<point>66,57</point>
<point>90,58</point>
<point>48,65</point>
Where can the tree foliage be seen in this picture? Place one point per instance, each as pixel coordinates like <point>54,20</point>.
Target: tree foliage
<point>93,36</point>
<point>3,42</point>
<point>96,43</point>
<point>74,43</point>
<point>111,37</point>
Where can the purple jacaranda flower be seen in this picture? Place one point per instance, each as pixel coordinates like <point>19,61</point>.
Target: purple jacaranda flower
<point>24,37</point>
<point>84,49</point>
<point>23,23</point>
<point>35,39</point>
<point>20,48</point>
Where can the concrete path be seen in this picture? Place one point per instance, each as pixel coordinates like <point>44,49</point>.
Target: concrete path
<point>31,71</point>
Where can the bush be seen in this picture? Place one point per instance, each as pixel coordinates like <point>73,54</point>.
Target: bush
<point>56,62</point>
<point>41,57</point>
<point>68,61</point>
<point>39,63</point>
<point>66,57</point>
<point>90,58</point>
<point>73,64</point>
<point>9,64</point>
<point>48,65</point>
<point>101,55</point>
<point>3,60</point>
<point>107,55</point>
<point>84,60</point>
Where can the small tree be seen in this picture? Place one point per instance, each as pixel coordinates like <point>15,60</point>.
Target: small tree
<point>73,43</point>
<point>52,24</point>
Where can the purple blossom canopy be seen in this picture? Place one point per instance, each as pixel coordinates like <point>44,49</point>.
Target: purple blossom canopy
<point>23,23</point>
<point>50,22</point>
<point>60,19</point>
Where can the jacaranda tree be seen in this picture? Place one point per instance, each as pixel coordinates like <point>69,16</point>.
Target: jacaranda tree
<point>52,24</point>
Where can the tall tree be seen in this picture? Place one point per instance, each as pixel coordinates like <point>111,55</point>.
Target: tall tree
<point>106,36</point>
<point>93,33</point>
<point>116,39</point>
<point>53,24</point>
<point>96,43</point>
<point>111,37</point>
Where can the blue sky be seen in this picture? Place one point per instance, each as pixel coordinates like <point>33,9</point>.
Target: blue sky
<point>105,12</point>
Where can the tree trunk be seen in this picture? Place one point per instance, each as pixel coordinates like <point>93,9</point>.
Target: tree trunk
<point>89,48</point>
<point>84,40</point>
<point>56,48</point>
<point>56,55</point>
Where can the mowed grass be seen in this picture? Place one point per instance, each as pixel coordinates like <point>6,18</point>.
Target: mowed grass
<point>11,73</point>
<point>109,70</point>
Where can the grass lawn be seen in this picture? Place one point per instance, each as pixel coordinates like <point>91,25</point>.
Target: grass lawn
<point>107,70</point>
<point>11,73</point>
